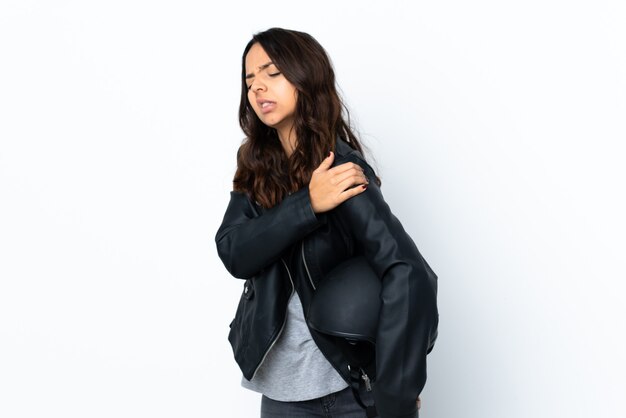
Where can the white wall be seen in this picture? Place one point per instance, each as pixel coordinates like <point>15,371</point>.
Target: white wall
<point>498,130</point>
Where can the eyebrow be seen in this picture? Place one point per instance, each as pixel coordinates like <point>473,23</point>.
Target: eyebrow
<point>261,67</point>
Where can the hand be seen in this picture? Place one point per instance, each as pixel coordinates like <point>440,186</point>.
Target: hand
<point>329,187</point>
<point>419,403</point>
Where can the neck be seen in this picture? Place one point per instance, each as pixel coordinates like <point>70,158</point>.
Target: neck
<point>288,139</point>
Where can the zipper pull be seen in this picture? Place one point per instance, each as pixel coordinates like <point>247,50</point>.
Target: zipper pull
<point>366,379</point>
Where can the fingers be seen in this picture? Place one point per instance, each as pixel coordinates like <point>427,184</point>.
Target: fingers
<point>345,167</point>
<point>353,182</point>
<point>330,187</point>
<point>326,162</point>
<point>351,192</point>
<point>346,180</point>
<point>350,178</point>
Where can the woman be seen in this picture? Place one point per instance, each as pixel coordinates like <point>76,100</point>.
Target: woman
<point>304,200</point>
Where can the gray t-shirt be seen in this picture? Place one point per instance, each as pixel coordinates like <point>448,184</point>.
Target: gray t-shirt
<point>294,368</point>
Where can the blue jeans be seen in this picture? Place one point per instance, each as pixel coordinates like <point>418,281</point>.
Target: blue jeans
<point>336,405</point>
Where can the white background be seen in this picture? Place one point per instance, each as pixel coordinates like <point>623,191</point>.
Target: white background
<point>498,131</point>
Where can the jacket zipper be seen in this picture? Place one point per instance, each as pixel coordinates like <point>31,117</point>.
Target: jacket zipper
<point>366,379</point>
<point>293,288</point>
<point>307,267</point>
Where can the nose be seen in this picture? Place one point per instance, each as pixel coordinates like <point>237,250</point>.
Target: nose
<point>257,85</point>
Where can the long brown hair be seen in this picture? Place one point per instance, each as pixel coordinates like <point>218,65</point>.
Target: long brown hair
<point>263,169</point>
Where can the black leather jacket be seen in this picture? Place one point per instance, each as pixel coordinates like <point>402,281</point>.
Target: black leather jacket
<point>252,242</point>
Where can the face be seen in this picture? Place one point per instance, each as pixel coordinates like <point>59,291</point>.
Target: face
<point>270,94</point>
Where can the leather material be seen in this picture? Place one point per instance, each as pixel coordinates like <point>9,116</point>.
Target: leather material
<point>246,330</point>
<point>251,243</point>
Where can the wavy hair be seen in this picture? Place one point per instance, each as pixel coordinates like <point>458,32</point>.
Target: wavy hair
<point>264,171</point>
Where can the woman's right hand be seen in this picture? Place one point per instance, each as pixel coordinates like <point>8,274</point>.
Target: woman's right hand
<point>329,187</point>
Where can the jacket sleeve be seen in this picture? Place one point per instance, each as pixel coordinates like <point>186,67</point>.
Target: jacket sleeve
<point>247,243</point>
<point>409,316</point>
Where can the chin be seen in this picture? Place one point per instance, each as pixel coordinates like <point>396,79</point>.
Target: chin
<point>272,123</point>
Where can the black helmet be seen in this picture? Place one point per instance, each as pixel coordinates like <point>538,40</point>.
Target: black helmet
<point>346,303</point>
<point>345,306</point>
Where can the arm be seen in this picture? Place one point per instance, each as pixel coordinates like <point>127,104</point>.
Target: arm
<point>247,243</point>
<point>408,317</point>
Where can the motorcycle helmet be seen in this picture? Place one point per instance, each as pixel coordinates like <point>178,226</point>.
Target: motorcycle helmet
<point>345,307</point>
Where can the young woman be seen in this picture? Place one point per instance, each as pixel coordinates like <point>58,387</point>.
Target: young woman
<point>305,199</point>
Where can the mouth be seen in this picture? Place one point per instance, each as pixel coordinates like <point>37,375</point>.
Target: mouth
<point>266,105</point>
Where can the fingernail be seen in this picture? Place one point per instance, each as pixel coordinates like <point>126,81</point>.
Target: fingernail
<point>364,186</point>
<point>329,152</point>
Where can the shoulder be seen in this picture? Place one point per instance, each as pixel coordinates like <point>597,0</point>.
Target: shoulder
<point>342,148</point>
<point>345,153</point>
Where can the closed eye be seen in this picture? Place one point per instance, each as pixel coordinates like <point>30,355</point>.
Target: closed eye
<point>271,75</point>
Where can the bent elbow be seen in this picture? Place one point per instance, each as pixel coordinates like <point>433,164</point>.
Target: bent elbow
<point>226,253</point>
